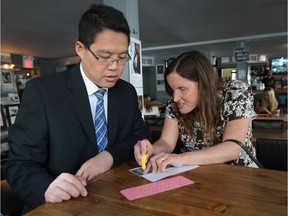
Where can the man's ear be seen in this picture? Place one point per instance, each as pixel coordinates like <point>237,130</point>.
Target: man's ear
<point>79,48</point>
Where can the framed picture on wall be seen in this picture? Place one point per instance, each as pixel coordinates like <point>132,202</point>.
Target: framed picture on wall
<point>160,77</point>
<point>7,80</point>
<point>11,113</point>
<point>160,69</point>
<point>135,64</point>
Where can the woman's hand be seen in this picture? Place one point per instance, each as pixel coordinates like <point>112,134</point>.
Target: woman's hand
<point>143,147</point>
<point>160,162</point>
<point>264,109</point>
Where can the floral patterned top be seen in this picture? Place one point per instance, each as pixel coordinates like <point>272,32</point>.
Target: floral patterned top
<point>236,102</point>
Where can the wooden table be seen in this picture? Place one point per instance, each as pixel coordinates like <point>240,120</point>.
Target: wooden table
<point>218,190</point>
<point>283,117</point>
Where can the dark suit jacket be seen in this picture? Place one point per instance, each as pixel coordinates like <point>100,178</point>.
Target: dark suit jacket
<point>54,131</point>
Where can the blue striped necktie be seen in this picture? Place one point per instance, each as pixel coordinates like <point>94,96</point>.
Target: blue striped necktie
<point>100,121</point>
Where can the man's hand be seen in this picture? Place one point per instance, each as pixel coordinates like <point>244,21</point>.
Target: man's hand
<point>64,187</point>
<point>95,166</point>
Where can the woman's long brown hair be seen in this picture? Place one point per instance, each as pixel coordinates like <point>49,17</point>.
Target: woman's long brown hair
<point>195,66</point>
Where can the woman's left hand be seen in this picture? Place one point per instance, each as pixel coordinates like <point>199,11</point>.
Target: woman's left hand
<point>160,162</point>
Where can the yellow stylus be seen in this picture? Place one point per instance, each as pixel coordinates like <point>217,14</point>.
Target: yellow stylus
<point>144,161</point>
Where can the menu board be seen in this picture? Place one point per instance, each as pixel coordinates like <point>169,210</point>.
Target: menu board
<point>242,54</point>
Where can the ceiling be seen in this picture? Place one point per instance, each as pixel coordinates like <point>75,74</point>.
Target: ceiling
<point>48,29</point>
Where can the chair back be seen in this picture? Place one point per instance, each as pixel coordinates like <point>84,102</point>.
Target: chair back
<point>11,204</point>
<point>152,120</point>
<point>268,124</point>
<point>272,153</point>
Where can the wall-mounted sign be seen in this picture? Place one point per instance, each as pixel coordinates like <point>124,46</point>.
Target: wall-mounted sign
<point>28,61</point>
<point>242,54</point>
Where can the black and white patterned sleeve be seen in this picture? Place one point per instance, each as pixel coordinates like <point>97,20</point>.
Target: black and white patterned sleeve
<point>239,101</point>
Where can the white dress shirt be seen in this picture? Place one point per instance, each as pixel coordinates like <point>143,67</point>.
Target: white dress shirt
<point>91,89</point>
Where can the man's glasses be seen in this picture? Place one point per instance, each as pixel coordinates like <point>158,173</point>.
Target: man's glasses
<point>109,60</point>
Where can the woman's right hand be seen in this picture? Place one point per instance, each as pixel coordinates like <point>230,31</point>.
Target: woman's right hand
<point>143,147</point>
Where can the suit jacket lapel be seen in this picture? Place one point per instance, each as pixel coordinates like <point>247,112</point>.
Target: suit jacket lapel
<point>113,113</point>
<point>80,103</point>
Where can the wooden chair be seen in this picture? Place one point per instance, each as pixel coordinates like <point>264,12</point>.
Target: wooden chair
<point>152,120</point>
<point>272,153</point>
<point>283,102</point>
<point>11,204</point>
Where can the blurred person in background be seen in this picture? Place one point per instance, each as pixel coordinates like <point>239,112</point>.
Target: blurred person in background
<point>269,80</point>
<point>269,102</point>
<point>149,108</point>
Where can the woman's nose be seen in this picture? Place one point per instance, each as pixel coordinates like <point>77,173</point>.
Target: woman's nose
<point>175,97</point>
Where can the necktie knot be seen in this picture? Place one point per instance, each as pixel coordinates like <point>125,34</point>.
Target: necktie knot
<point>100,93</point>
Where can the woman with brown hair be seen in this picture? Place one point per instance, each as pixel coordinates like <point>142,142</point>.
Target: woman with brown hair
<point>205,114</point>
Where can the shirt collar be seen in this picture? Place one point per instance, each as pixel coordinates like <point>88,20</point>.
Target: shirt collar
<point>90,86</point>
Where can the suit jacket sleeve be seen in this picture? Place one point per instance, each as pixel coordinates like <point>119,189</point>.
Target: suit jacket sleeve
<point>29,146</point>
<point>53,133</point>
<point>125,122</point>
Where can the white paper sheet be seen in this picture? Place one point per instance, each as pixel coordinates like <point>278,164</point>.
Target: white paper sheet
<point>168,172</point>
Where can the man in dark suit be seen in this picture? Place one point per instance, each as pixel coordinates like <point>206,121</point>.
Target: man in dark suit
<point>53,147</point>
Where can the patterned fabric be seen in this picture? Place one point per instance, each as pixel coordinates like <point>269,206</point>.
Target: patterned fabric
<point>236,102</point>
<point>100,121</point>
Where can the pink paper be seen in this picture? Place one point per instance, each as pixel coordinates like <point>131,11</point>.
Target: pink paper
<point>155,187</point>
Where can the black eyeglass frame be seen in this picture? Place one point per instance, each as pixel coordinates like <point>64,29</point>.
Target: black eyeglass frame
<point>107,58</point>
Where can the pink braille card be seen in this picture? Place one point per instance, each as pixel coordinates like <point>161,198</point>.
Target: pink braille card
<point>155,187</point>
